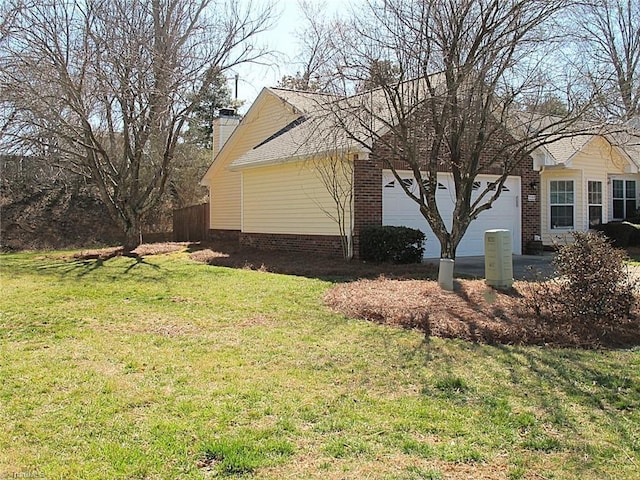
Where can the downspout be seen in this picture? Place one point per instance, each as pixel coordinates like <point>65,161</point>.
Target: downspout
<point>584,211</point>
<point>242,202</point>
<point>352,210</point>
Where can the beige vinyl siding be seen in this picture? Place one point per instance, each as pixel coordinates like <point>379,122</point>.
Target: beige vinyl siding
<point>595,162</point>
<point>264,119</point>
<point>269,116</point>
<point>287,199</point>
<point>225,212</point>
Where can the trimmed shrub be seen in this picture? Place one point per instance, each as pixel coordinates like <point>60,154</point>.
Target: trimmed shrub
<point>635,235</point>
<point>622,234</point>
<point>392,244</point>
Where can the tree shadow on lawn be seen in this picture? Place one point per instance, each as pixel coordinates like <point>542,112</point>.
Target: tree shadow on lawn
<point>556,399</point>
<point>230,254</point>
<point>87,261</point>
<point>559,380</point>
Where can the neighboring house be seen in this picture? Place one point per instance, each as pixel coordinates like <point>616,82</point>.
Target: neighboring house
<point>266,187</point>
<point>586,181</point>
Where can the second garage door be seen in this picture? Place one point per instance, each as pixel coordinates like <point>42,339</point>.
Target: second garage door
<point>398,209</point>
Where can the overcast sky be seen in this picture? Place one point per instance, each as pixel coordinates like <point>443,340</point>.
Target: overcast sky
<point>252,78</point>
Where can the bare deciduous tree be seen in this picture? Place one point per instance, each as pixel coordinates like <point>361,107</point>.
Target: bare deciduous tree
<point>609,40</point>
<point>107,86</point>
<point>316,49</point>
<point>469,116</point>
<point>335,170</point>
<point>9,10</point>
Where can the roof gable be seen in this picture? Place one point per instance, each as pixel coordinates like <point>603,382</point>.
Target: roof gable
<point>268,114</point>
<point>563,151</point>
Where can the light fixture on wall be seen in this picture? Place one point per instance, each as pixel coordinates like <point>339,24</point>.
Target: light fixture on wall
<point>534,185</point>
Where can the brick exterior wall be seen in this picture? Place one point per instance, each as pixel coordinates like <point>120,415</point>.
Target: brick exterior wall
<point>327,245</point>
<point>530,181</point>
<point>367,198</point>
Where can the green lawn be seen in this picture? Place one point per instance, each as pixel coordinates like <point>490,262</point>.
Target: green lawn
<point>165,369</point>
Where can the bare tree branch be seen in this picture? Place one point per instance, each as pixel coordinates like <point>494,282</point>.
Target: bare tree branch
<point>108,85</point>
<point>608,38</point>
<point>466,71</point>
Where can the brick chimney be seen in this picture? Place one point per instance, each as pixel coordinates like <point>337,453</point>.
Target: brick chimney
<point>223,126</point>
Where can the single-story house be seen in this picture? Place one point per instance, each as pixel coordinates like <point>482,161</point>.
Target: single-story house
<point>267,189</point>
<point>586,181</point>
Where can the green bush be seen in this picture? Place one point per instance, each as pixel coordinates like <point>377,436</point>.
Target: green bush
<point>622,234</point>
<point>392,244</point>
<point>635,235</point>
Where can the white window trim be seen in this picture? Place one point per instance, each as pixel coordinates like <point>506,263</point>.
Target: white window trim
<point>602,204</point>
<point>624,178</point>
<point>549,205</point>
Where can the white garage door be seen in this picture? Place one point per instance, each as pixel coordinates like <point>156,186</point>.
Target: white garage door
<point>398,209</point>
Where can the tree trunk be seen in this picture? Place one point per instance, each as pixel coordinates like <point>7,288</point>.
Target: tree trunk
<point>132,235</point>
<point>447,251</point>
<point>447,262</point>
<point>447,247</point>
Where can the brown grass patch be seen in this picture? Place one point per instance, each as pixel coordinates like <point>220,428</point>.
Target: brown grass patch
<point>98,254</point>
<point>393,465</point>
<point>146,249</point>
<point>159,248</point>
<point>473,312</point>
<point>150,326</point>
<point>256,321</point>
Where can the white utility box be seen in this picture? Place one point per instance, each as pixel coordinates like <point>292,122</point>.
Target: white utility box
<point>445,274</point>
<point>498,259</point>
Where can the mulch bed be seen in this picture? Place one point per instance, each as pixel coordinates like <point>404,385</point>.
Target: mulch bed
<point>230,254</point>
<point>473,312</point>
<point>407,296</point>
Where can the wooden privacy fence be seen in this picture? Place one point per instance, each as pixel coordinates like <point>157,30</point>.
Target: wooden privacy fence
<point>191,224</point>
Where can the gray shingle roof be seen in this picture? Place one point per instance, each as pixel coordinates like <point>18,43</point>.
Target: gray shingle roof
<point>564,148</point>
<point>317,131</point>
<point>303,102</point>
<point>313,132</point>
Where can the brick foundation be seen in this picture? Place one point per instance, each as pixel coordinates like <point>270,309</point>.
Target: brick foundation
<point>227,235</point>
<point>326,245</point>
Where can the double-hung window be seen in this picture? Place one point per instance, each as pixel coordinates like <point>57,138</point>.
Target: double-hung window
<point>594,194</point>
<point>561,201</point>
<point>624,199</point>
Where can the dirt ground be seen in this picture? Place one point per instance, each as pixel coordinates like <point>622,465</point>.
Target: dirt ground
<point>407,296</point>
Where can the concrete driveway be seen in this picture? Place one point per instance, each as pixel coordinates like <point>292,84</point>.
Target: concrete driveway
<point>524,266</point>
